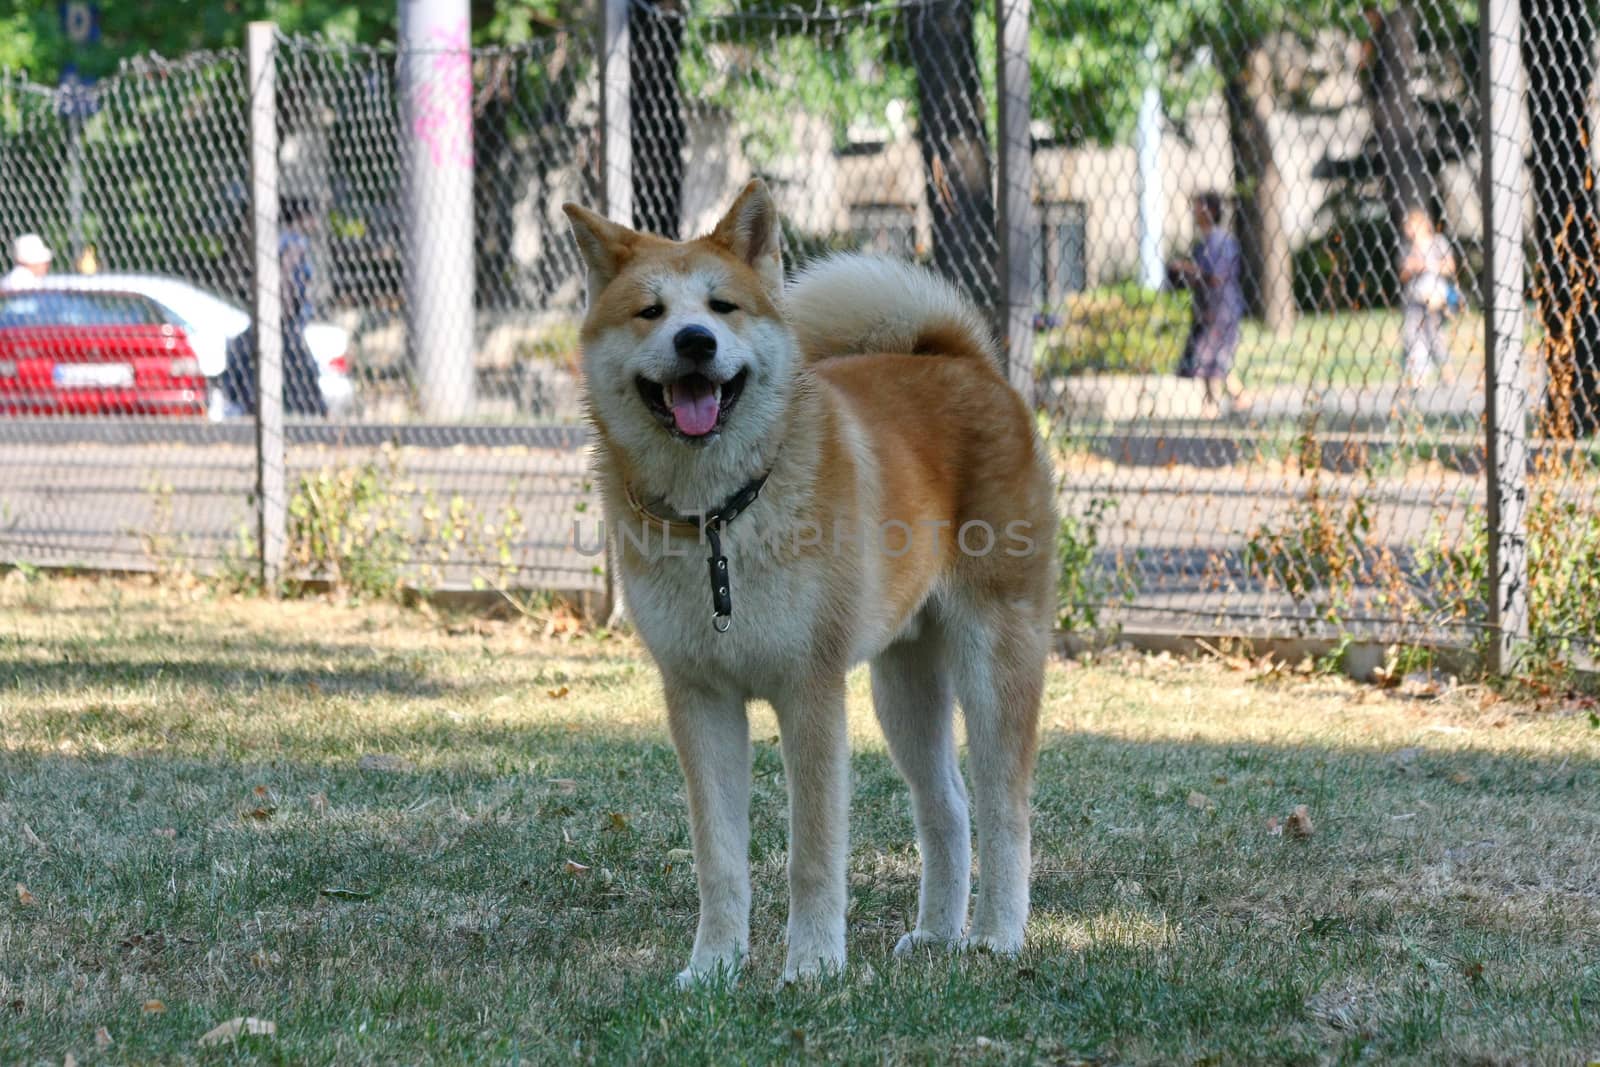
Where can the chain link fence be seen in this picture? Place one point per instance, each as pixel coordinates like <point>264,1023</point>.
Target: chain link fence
<point>1258,242</point>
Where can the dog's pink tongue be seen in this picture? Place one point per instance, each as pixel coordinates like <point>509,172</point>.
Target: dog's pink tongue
<point>694,406</point>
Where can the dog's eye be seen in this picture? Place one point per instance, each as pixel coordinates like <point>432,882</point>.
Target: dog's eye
<point>654,311</point>
<point>722,307</point>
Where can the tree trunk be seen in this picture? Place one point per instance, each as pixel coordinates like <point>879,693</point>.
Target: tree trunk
<point>1399,124</point>
<point>1268,276</point>
<point>1558,52</point>
<point>957,164</point>
<point>656,125</point>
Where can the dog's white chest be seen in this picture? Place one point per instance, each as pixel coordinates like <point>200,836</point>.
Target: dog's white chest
<point>770,631</point>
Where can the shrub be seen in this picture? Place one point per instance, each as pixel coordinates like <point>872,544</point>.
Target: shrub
<point>1084,587</point>
<point>1121,329</point>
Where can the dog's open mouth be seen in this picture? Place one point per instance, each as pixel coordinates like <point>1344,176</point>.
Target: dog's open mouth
<point>694,407</point>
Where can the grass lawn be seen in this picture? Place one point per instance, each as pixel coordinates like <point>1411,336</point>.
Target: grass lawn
<point>403,838</point>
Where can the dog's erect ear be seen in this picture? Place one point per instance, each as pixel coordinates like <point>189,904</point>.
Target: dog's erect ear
<point>750,231</point>
<point>604,244</point>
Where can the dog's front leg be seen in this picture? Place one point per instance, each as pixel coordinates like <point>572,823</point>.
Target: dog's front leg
<point>712,736</point>
<point>816,761</point>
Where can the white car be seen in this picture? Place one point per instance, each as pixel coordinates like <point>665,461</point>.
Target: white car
<point>213,323</point>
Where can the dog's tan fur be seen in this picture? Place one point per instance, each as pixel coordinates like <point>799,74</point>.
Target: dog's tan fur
<point>873,399</point>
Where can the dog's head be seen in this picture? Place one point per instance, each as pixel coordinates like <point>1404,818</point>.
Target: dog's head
<point>684,346</point>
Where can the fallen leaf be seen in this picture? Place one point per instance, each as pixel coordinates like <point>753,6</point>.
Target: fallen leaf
<point>17,1005</point>
<point>102,1039</point>
<point>1200,801</point>
<point>33,839</point>
<point>1461,778</point>
<point>154,1007</point>
<point>616,821</point>
<point>236,1026</point>
<point>24,897</point>
<point>563,785</point>
<point>677,856</point>
<point>574,867</point>
<point>346,894</point>
<point>558,693</point>
<point>1300,822</point>
<point>260,814</point>
<point>262,961</point>
<point>383,761</point>
<point>166,831</point>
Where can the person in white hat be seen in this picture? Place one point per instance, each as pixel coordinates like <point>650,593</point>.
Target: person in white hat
<point>32,262</point>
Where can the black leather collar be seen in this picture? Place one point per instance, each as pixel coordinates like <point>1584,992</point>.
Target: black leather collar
<point>710,526</point>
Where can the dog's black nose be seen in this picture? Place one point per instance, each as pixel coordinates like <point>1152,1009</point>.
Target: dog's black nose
<point>696,343</point>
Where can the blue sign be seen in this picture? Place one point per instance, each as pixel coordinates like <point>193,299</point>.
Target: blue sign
<point>80,21</point>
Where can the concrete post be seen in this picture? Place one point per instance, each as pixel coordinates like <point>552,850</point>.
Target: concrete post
<point>436,86</point>
<point>1152,197</point>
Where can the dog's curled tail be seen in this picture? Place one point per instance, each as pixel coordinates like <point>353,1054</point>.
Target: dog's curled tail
<point>851,304</point>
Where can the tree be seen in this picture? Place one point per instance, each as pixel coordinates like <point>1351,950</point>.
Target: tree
<point>957,164</point>
<point>656,125</point>
<point>1558,42</point>
<point>1088,77</point>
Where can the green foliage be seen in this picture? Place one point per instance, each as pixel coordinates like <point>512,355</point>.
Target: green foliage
<point>1563,560</point>
<point>369,533</point>
<point>31,38</point>
<point>1317,553</point>
<point>1085,587</point>
<point>347,527</point>
<point>1118,329</point>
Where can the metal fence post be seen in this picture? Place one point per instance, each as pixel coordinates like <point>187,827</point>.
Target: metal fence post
<point>1018,231</point>
<point>266,298</point>
<point>1505,385</point>
<point>616,186</point>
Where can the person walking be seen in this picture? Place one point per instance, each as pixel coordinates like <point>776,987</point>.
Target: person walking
<point>1211,274</point>
<point>1427,277</point>
<point>30,257</point>
<point>302,394</point>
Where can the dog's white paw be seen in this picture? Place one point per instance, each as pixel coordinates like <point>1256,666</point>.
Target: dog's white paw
<point>809,970</point>
<point>916,939</point>
<point>1000,944</point>
<point>709,973</point>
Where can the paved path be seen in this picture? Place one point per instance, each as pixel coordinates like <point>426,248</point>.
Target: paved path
<point>1182,531</point>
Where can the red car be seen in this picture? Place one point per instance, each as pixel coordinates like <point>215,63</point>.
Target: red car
<point>94,353</point>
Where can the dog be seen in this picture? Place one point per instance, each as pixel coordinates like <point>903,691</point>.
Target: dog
<point>869,488</point>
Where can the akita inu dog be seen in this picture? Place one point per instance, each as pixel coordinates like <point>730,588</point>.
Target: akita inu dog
<point>868,487</point>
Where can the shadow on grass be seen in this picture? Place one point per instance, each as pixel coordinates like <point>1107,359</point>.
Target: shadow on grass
<point>516,890</point>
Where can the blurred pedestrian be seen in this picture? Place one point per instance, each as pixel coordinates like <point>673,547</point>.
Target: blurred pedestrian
<point>1211,274</point>
<point>1428,278</point>
<point>30,258</point>
<point>297,273</point>
<point>302,390</point>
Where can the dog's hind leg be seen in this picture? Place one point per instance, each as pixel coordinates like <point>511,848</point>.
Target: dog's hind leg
<point>999,676</point>
<point>816,762</point>
<point>915,702</point>
<point>712,736</point>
